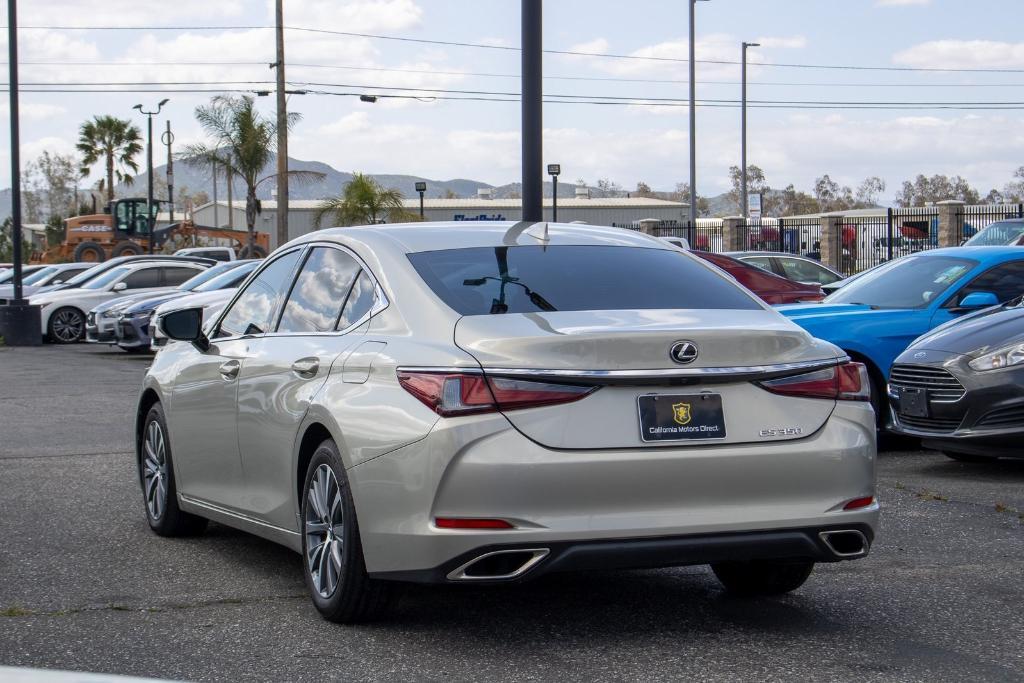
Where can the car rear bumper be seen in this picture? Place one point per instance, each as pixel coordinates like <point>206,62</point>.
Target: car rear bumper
<point>637,507</point>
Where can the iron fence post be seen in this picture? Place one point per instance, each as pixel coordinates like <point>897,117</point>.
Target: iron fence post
<point>889,234</point>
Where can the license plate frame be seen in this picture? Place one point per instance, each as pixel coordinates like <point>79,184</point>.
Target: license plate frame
<point>914,402</point>
<point>681,417</point>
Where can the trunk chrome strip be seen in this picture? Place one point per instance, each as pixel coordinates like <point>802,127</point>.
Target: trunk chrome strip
<point>715,374</point>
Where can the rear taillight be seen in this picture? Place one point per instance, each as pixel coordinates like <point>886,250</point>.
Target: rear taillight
<point>845,382</point>
<point>450,394</point>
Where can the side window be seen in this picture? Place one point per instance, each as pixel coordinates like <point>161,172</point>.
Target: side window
<point>360,301</point>
<point>1006,281</point>
<point>147,277</point>
<point>762,262</point>
<point>804,271</point>
<point>175,276</point>
<point>319,292</point>
<point>253,311</point>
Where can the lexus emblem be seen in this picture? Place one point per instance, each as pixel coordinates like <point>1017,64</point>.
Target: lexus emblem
<point>920,354</point>
<point>683,352</point>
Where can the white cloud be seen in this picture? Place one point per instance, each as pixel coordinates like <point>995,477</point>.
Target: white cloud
<point>34,111</point>
<point>123,12</point>
<point>359,16</point>
<point>978,54</point>
<point>789,43</point>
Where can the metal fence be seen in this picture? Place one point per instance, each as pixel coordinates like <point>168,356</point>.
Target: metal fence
<point>976,218</point>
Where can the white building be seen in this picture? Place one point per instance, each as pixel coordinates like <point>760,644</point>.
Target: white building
<point>621,211</point>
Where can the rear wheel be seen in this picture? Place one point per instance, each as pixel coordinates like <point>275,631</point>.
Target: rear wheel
<point>332,552</point>
<point>126,248</point>
<point>66,325</point>
<point>159,490</point>
<point>89,252</point>
<point>763,577</point>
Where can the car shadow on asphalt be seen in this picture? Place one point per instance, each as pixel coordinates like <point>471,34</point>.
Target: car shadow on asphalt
<point>997,471</point>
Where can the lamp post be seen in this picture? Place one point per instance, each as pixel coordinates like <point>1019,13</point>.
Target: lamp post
<point>553,171</point>
<point>693,118</point>
<point>532,110</point>
<point>421,187</point>
<point>168,139</point>
<point>149,166</point>
<point>744,208</point>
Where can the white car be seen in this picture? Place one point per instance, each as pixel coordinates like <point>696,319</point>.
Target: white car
<point>210,302</point>
<point>46,276</point>
<point>64,311</point>
<point>216,253</point>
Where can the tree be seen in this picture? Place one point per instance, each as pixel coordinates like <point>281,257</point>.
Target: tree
<point>756,183</point>
<point>243,141</point>
<point>869,191</point>
<point>608,188</point>
<point>924,190</point>
<point>363,201</point>
<point>449,194</point>
<point>795,202</point>
<point>116,142</point>
<point>7,242</point>
<point>682,194</point>
<point>994,196</point>
<point>643,190</point>
<point>1014,191</point>
<point>831,196</point>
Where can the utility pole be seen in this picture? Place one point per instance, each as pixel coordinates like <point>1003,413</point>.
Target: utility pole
<point>19,320</point>
<point>282,131</point>
<point>532,110</point>
<point>216,206</point>
<point>693,119</point>
<point>230,180</point>
<point>151,215</point>
<point>168,139</point>
<point>744,209</point>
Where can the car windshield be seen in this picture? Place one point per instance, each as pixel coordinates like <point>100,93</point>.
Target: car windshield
<point>228,277</point>
<point>106,278</point>
<point>193,283</point>
<point>997,235</point>
<point>87,275</point>
<point>38,276</point>
<point>528,279</point>
<point>910,282</point>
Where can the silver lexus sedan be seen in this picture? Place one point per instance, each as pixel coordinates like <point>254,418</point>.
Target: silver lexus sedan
<point>489,402</point>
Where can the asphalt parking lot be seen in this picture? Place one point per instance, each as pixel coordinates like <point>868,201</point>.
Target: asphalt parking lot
<point>84,585</point>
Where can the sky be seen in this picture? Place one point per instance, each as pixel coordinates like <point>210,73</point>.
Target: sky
<point>195,43</point>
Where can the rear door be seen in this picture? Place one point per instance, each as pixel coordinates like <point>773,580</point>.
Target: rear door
<point>323,317</point>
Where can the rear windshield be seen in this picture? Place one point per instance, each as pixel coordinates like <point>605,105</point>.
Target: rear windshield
<point>492,280</point>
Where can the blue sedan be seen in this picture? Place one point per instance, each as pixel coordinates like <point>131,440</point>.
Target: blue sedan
<point>876,316</point>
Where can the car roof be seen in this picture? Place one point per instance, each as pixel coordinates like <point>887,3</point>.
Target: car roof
<point>991,254</point>
<point>741,254</point>
<point>416,237</point>
<point>139,265</point>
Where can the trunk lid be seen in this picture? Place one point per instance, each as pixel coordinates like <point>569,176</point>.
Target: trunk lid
<point>627,355</point>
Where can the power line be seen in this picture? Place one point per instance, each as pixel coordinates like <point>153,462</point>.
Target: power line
<point>509,48</point>
<point>611,79</point>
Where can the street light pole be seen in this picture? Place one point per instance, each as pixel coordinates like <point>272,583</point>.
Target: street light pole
<point>421,187</point>
<point>744,208</point>
<point>532,110</point>
<point>168,139</point>
<point>151,217</point>
<point>282,131</point>
<point>693,117</point>
<point>553,171</point>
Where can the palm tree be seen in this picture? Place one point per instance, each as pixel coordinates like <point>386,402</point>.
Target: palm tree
<point>114,140</point>
<point>242,141</point>
<point>363,201</point>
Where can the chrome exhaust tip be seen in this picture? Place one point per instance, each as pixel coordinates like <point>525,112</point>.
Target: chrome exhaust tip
<point>499,565</point>
<point>846,543</point>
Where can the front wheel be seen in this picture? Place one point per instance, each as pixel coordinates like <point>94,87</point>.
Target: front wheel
<point>159,490</point>
<point>763,577</point>
<point>332,552</point>
<point>66,325</point>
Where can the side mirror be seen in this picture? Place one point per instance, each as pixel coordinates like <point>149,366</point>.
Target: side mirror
<point>186,325</point>
<point>120,287</point>
<point>976,300</point>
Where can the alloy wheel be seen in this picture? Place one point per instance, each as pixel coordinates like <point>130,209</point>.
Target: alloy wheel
<point>324,529</point>
<point>67,325</point>
<point>154,470</point>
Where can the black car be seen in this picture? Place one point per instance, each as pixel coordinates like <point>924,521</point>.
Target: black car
<point>960,388</point>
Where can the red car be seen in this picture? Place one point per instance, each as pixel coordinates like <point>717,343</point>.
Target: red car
<point>769,286</point>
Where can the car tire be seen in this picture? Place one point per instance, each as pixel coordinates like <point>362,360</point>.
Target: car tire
<point>968,457</point>
<point>159,488</point>
<point>332,553</point>
<point>762,577</point>
<point>89,252</point>
<point>66,326</point>
<point>126,248</point>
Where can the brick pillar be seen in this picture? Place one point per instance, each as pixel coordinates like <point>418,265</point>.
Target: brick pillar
<point>831,248</point>
<point>734,234</point>
<point>951,222</point>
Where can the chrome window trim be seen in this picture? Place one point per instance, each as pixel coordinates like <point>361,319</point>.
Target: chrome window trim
<point>750,372</point>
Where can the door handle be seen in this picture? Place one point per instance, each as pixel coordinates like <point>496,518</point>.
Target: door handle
<point>229,370</point>
<point>306,367</point>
